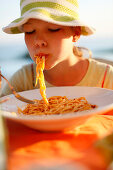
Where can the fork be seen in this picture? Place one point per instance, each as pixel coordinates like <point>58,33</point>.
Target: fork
<point>18,96</point>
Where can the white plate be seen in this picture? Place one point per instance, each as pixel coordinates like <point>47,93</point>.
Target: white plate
<point>103,98</point>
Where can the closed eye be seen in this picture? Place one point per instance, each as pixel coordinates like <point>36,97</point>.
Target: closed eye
<point>31,32</point>
<point>54,30</point>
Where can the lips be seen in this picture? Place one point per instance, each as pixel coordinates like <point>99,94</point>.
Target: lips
<point>41,55</point>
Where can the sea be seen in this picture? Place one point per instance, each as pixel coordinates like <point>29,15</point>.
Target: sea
<point>14,55</point>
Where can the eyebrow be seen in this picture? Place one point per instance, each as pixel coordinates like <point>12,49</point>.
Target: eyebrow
<point>27,23</point>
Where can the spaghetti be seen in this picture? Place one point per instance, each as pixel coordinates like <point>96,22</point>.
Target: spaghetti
<point>54,104</point>
<point>40,61</point>
<point>57,105</point>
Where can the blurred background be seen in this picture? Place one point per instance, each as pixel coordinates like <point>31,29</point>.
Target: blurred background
<point>97,13</point>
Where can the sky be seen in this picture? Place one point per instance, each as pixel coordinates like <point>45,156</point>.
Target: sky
<point>97,13</point>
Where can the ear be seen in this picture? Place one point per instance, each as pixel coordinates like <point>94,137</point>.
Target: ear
<point>77,33</point>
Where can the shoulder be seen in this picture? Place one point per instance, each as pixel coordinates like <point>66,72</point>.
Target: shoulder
<point>104,61</point>
<point>100,63</point>
<point>104,68</point>
<point>101,66</point>
<point>28,67</point>
<point>25,70</point>
<point>21,80</point>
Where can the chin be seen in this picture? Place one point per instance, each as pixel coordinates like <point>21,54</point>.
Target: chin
<point>49,67</point>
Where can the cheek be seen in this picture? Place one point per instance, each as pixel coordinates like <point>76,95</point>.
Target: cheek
<point>66,45</point>
<point>28,42</point>
<point>29,45</point>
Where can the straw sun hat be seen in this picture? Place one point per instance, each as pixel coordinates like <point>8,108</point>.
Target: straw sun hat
<point>61,12</point>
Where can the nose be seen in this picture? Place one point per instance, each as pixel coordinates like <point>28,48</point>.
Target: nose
<point>40,42</point>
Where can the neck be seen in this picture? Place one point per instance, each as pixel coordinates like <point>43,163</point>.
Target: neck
<point>67,73</point>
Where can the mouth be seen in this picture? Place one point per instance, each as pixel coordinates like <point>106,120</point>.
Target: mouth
<point>41,55</point>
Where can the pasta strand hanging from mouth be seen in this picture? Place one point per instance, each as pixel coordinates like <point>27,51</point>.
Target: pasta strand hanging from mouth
<point>40,61</point>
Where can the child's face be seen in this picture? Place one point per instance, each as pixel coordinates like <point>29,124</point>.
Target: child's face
<point>52,41</point>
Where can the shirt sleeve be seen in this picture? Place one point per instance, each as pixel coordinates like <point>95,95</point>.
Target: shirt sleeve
<point>109,78</point>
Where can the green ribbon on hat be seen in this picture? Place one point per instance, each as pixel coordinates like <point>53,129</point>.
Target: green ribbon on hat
<point>70,1</point>
<point>48,5</point>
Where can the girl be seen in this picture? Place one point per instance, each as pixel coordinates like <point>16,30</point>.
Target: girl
<point>50,28</point>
